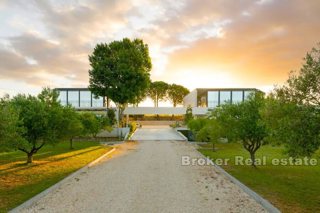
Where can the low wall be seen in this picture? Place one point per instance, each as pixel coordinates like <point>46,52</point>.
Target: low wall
<point>116,132</point>
<point>156,123</point>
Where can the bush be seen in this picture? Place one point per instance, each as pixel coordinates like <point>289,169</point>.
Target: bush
<point>133,126</point>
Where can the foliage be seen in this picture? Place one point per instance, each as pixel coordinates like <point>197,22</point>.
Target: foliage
<point>176,93</point>
<point>243,122</point>
<point>158,91</point>
<point>295,126</point>
<point>40,122</point>
<point>120,70</point>
<point>195,125</point>
<point>304,87</point>
<point>189,115</point>
<point>205,130</point>
<point>72,125</point>
<point>176,124</point>
<point>9,124</point>
<point>133,126</point>
<point>111,116</point>
<point>91,124</point>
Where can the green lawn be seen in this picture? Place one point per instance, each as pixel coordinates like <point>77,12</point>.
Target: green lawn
<point>290,188</point>
<point>19,182</point>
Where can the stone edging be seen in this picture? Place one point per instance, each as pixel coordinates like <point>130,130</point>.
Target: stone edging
<point>184,137</point>
<point>37,197</point>
<point>263,202</point>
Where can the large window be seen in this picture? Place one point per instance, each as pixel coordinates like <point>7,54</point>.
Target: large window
<point>85,99</point>
<point>63,97</point>
<point>213,99</point>
<point>73,98</point>
<point>247,94</point>
<point>97,102</point>
<point>237,96</point>
<point>225,97</point>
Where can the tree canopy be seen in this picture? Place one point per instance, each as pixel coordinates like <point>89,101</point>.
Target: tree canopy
<point>243,122</point>
<point>158,91</point>
<point>303,87</point>
<point>120,70</point>
<point>297,127</point>
<point>176,93</point>
<point>40,124</point>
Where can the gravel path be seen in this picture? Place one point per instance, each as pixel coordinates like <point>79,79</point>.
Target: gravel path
<point>156,133</point>
<point>148,177</point>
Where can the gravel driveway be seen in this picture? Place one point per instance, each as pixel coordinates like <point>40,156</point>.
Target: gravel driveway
<point>148,177</point>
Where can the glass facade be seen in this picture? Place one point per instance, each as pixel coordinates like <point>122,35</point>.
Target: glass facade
<point>225,97</point>
<point>63,98</point>
<point>213,99</point>
<point>247,94</point>
<point>217,97</point>
<point>237,96</point>
<point>85,99</point>
<point>79,98</point>
<point>73,98</point>
<point>97,102</point>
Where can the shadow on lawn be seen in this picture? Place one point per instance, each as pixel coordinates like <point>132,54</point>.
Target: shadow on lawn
<point>24,166</point>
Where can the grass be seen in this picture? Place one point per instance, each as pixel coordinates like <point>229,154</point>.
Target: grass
<point>19,181</point>
<point>290,188</point>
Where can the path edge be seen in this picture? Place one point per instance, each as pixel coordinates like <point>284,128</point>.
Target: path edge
<point>258,198</point>
<point>55,186</point>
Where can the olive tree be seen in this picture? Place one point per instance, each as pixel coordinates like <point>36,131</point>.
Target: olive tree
<point>303,87</point>
<point>39,124</point>
<point>243,122</point>
<point>292,112</point>
<point>9,125</point>
<point>296,126</point>
<point>72,125</point>
<point>91,124</point>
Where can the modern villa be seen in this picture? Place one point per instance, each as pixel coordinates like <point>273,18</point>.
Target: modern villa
<point>200,99</point>
<point>212,97</point>
<point>80,98</point>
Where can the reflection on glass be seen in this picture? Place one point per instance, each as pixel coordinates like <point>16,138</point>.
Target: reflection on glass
<point>85,99</point>
<point>225,97</point>
<point>213,99</point>
<point>237,96</point>
<point>63,97</point>
<point>73,98</point>
<point>97,101</point>
<point>247,94</point>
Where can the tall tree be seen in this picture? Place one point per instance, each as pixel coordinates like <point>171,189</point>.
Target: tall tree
<point>303,87</point>
<point>176,93</point>
<point>293,110</point>
<point>158,91</point>
<point>297,127</point>
<point>120,70</point>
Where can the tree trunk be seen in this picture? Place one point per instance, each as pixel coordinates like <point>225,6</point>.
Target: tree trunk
<point>253,158</point>
<point>71,143</point>
<point>213,147</point>
<point>30,157</point>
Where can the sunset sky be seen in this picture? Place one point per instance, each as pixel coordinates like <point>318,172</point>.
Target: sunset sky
<point>207,43</point>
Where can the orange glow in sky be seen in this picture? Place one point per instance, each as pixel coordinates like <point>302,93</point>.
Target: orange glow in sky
<point>247,43</point>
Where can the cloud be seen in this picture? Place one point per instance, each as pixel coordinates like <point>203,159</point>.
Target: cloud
<point>242,42</point>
